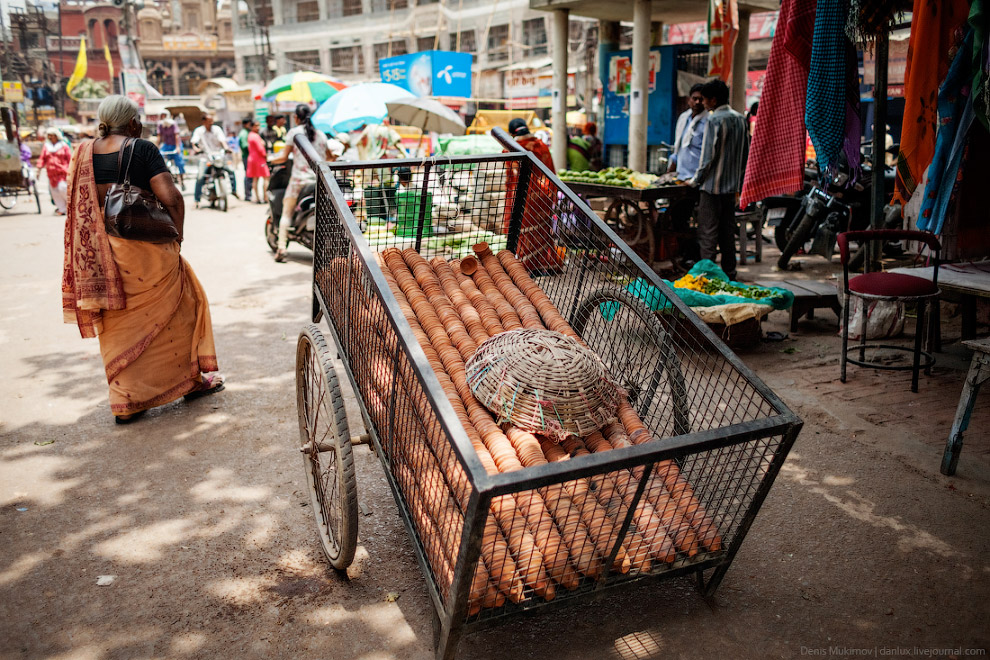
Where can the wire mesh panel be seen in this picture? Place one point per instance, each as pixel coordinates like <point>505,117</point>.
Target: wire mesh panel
<point>504,520</point>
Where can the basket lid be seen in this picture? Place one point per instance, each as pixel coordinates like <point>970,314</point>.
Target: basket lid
<point>543,382</point>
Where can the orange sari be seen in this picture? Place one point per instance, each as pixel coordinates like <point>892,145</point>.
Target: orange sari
<point>142,300</point>
<point>536,248</point>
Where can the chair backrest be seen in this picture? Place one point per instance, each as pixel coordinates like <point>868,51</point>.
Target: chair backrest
<point>884,235</point>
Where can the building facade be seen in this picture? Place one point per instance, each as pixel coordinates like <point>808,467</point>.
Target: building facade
<point>185,42</point>
<point>346,38</point>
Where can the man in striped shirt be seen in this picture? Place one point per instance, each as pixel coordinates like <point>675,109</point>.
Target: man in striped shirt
<point>724,150</point>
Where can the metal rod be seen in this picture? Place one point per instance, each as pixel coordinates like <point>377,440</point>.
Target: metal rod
<point>421,220</point>
<point>637,496</point>
<point>879,146</point>
<point>577,467</point>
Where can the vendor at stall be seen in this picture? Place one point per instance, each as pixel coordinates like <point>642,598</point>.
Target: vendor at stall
<point>720,176</point>
<point>688,136</point>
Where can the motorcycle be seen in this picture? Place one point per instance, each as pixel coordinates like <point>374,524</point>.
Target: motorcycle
<point>825,211</point>
<point>215,183</point>
<point>303,226</point>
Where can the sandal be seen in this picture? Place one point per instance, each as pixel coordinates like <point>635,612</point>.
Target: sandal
<point>210,385</point>
<point>127,419</point>
<point>281,256</point>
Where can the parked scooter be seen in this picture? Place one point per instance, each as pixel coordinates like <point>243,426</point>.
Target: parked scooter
<point>303,227</point>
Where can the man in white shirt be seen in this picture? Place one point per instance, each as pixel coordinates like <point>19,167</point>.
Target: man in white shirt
<point>208,138</point>
<point>689,135</point>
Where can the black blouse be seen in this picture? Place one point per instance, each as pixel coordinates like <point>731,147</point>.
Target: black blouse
<point>147,164</point>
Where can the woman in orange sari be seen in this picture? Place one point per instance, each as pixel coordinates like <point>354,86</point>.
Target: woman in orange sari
<point>536,248</point>
<point>141,299</point>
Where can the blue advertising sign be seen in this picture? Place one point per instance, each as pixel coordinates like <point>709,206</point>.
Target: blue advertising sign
<point>451,73</point>
<point>429,73</point>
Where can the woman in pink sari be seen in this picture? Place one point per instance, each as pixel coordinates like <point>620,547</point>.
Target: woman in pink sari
<point>141,299</point>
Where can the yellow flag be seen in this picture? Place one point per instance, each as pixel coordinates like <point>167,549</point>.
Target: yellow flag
<point>80,71</point>
<point>106,53</point>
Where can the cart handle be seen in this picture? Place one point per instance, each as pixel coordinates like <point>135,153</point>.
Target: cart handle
<point>506,140</point>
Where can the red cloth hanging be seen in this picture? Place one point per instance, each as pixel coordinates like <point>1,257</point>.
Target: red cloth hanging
<point>777,154</point>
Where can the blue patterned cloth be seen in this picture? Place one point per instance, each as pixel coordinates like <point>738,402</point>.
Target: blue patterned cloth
<point>825,109</point>
<point>955,111</point>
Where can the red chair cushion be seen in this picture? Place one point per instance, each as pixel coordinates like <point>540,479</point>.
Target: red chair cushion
<point>893,285</point>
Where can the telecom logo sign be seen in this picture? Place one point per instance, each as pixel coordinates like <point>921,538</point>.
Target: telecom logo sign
<point>430,73</point>
<point>451,73</point>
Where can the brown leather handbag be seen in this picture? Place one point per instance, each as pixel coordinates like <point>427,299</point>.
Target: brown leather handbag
<point>134,213</point>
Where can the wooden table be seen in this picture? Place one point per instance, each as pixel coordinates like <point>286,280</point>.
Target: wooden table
<point>969,281</point>
<point>809,295</point>
<point>979,373</point>
<point>641,236</point>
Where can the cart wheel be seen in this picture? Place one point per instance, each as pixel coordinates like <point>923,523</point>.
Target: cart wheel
<point>7,200</point>
<point>326,448</point>
<point>623,341</point>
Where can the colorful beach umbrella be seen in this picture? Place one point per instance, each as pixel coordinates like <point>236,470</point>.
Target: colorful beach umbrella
<point>302,87</point>
<point>358,105</point>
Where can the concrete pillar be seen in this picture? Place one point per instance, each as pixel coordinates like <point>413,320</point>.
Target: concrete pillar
<point>277,17</point>
<point>325,61</point>
<point>638,99</point>
<point>656,33</point>
<point>558,107</point>
<point>608,41</point>
<point>175,76</point>
<point>239,69</point>
<point>740,64</point>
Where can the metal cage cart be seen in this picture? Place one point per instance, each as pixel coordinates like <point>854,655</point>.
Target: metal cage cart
<point>716,435</point>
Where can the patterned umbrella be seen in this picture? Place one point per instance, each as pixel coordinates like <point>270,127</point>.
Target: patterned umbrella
<point>356,106</point>
<point>302,87</point>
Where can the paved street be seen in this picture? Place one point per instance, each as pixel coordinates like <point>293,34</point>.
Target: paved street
<point>201,515</point>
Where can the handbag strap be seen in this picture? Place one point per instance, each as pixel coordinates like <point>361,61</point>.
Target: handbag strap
<point>120,157</point>
<point>127,172</point>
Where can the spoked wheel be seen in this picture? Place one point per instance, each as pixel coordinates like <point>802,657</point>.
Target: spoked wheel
<point>326,448</point>
<point>639,349</point>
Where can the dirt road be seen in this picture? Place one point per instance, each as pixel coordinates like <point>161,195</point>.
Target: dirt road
<point>199,512</point>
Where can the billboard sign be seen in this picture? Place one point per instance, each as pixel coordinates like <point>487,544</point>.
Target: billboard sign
<point>429,73</point>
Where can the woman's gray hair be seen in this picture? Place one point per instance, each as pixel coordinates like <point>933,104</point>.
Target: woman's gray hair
<point>115,112</point>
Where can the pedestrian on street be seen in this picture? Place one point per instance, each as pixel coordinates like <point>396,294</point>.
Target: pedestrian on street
<point>688,136</point>
<point>256,167</point>
<point>302,173</point>
<point>141,299</point>
<point>724,150</point>
<point>595,161</point>
<point>55,157</point>
<point>242,144</point>
<point>170,144</point>
<point>536,249</point>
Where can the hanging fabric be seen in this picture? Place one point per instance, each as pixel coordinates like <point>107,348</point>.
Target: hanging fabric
<point>777,153</point>
<point>979,21</point>
<point>932,25</point>
<point>723,29</point>
<point>955,111</point>
<point>828,87</point>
